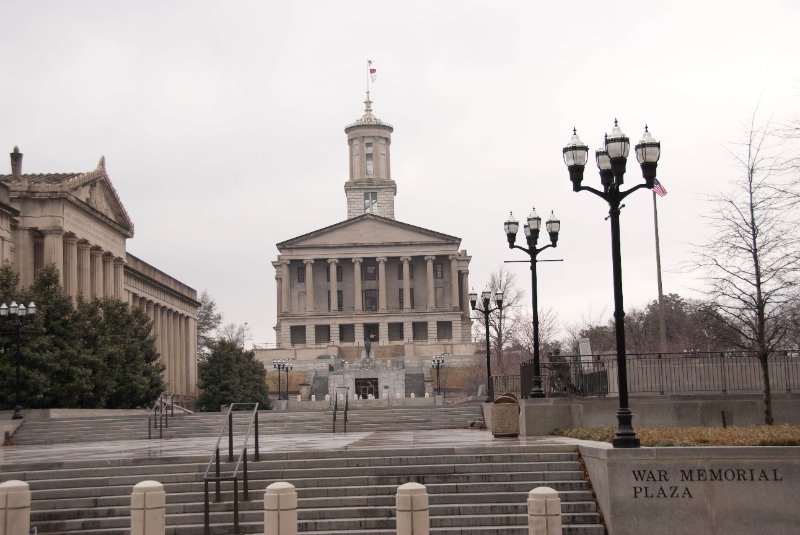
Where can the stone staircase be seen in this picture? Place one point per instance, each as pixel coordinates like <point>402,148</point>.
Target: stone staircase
<point>70,430</point>
<point>476,489</point>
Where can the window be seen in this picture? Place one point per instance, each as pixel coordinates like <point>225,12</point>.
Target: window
<point>444,330</point>
<point>322,334</point>
<point>301,274</point>
<point>420,330</point>
<point>371,300</point>
<point>395,332</point>
<point>347,333</point>
<point>369,154</point>
<point>400,271</point>
<point>438,270</point>
<point>400,297</point>
<point>411,291</point>
<point>298,334</point>
<point>371,202</point>
<point>370,272</point>
<point>338,274</point>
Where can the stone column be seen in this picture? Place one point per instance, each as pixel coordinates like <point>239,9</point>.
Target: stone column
<point>166,354</point>
<point>332,263</point>
<point>286,279</point>
<point>23,245</point>
<point>309,285</point>
<point>381,283</point>
<point>176,359</point>
<point>357,285</point>
<point>431,293</point>
<point>406,282</point>
<point>157,326</point>
<point>148,508</point>
<point>15,508</point>
<point>71,267</point>
<point>191,335</point>
<point>454,282</point>
<point>97,273</point>
<point>108,275</point>
<point>465,307</point>
<point>54,251</point>
<point>119,278</point>
<point>84,270</point>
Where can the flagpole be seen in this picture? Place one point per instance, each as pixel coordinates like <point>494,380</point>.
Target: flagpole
<point>368,65</point>
<point>662,322</point>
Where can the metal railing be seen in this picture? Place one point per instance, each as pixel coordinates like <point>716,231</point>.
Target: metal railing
<point>241,461</point>
<point>665,373</point>
<point>158,417</point>
<point>336,405</point>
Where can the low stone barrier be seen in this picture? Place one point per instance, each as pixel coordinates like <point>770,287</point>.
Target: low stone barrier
<point>688,491</point>
<point>15,508</point>
<point>148,508</point>
<point>544,512</point>
<point>280,509</point>
<point>412,509</point>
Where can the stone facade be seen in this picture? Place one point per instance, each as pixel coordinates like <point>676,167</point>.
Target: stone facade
<point>77,222</point>
<point>371,277</point>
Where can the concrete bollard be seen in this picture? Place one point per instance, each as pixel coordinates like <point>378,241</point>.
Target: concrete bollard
<point>314,397</point>
<point>544,512</point>
<point>148,502</point>
<point>280,509</point>
<point>299,397</point>
<point>413,395</point>
<point>412,509</point>
<point>15,508</point>
<point>327,397</point>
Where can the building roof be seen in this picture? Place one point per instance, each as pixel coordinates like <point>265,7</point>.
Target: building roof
<point>429,235</point>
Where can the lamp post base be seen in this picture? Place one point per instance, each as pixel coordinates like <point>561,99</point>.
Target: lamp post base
<point>537,392</point>
<point>17,413</point>
<point>625,436</point>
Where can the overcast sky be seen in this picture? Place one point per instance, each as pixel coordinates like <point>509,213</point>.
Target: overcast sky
<point>222,123</point>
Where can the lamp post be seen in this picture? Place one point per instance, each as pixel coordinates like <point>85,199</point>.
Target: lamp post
<point>532,227</point>
<point>611,161</point>
<point>437,362</point>
<point>18,315</point>
<point>281,365</point>
<point>486,296</point>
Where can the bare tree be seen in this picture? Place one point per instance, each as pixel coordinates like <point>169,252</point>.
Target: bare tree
<point>751,260</point>
<point>504,324</point>
<point>208,321</point>
<point>548,333</point>
<point>236,334</point>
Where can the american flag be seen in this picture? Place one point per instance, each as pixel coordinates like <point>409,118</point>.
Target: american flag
<point>373,72</point>
<point>659,189</point>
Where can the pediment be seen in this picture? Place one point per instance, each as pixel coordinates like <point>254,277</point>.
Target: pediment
<point>368,229</point>
<point>95,190</point>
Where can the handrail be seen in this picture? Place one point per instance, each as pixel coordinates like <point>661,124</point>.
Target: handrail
<point>336,405</point>
<point>234,477</point>
<point>158,417</point>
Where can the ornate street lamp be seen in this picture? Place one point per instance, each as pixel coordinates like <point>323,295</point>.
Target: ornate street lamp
<point>486,310</point>
<point>17,315</point>
<point>611,161</point>
<point>532,228</point>
<point>281,365</point>
<point>437,362</point>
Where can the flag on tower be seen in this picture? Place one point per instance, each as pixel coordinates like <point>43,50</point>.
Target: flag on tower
<point>373,72</point>
<point>659,189</point>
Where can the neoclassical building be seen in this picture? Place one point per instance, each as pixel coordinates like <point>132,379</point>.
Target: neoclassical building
<point>371,277</point>
<point>77,222</point>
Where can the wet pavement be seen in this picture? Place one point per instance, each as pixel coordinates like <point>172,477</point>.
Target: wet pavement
<point>125,449</point>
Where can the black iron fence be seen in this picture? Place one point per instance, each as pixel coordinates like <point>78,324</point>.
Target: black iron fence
<point>660,374</point>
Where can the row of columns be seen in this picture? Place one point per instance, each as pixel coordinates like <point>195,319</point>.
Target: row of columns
<point>83,269</point>
<point>285,277</point>
<point>176,342</point>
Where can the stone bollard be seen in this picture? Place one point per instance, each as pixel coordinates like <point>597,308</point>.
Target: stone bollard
<point>412,509</point>
<point>544,512</point>
<point>299,397</point>
<point>148,502</point>
<point>327,397</point>
<point>280,509</point>
<point>413,395</point>
<point>314,397</point>
<point>15,508</point>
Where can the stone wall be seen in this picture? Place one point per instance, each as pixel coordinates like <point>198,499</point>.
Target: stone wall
<point>541,416</point>
<point>691,491</point>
